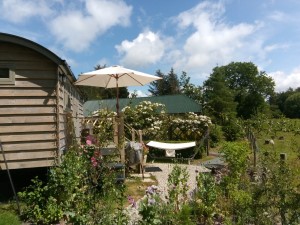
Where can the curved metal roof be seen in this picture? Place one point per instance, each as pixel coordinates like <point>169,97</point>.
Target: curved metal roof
<point>10,38</point>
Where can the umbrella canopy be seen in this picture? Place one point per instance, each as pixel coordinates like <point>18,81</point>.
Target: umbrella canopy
<point>115,77</point>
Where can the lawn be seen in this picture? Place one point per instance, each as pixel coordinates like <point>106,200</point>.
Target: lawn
<point>136,186</point>
<point>8,215</point>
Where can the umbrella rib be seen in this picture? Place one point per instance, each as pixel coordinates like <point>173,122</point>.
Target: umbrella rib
<point>129,74</point>
<point>110,76</point>
<point>85,78</point>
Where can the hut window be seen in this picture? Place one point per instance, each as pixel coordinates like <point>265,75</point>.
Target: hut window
<point>7,76</point>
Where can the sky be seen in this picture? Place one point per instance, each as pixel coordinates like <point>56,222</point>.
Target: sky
<point>147,35</point>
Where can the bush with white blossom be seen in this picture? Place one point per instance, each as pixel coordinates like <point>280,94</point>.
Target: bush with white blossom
<point>191,125</point>
<point>146,116</point>
<point>155,123</point>
<point>152,119</point>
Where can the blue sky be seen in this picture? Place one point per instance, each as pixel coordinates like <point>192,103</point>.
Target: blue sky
<point>191,36</point>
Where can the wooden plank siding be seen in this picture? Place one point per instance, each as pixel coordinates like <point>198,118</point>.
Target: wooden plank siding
<point>33,110</point>
<point>28,109</point>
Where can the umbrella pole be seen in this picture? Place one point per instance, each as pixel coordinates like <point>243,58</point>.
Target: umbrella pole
<point>119,136</point>
<point>117,105</point>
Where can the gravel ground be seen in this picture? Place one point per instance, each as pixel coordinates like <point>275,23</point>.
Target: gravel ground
<point>162,170</point>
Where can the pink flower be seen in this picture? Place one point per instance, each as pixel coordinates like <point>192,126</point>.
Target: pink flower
<point>88,142</point>
<point>94,161</point>
<point>90,138</point>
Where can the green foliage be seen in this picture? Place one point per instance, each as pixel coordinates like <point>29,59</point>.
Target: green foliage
<point>242,83</point>
<point>204,203</point>
<point>218,97</point>
<point>292,106</point>
<point>215,135</point>
<point>73,191</point>
<point>236,155</point>
<point>277,195</point>
<point>278,101</point>
<point>38,209</point>
<point>150,206</point>
<point>178,188</point>
<point>179,207</point>
<point>190,90</point>
<point>8,217</point>
<point>233,130</point>
<point>170,84</point>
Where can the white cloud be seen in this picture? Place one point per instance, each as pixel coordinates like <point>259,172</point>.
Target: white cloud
<point>284,81</point>
<point>75,24</point>
<point>77,29</point>
<point>269,48</point>
<point>138,93</point>
<point>277,16</point>
<point>146,49</point>
<point>18,11</point>
<point>74,30</point>
<point>108,13</point>
<point>213,41</point>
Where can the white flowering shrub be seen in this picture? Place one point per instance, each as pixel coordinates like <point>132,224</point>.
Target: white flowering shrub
<point>190,126</point>
<point>155,123</point>
<point>146,116</point>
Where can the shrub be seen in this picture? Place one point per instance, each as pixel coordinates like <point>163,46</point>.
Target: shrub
<point>233,131</point>
<point>74,190</point>
<point>215,135</point>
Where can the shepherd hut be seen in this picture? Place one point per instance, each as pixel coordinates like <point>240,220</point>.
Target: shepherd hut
<point>40,107</point>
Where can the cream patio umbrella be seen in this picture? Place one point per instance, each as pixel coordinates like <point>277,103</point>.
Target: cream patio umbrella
<point>115,77</point>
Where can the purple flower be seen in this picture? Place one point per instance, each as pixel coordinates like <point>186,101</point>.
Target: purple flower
<point>132,201</point>
<point>150,190</point>
<point>151,201</point>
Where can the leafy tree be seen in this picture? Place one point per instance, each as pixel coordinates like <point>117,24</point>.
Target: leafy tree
<point>159,87</point>
<point>250,87</point>
<point>188,89</point>
<point>292,106</point>
<point>278,101</point>
<point>173,87</point>
<point>170,84</point>
<point>219,99</point>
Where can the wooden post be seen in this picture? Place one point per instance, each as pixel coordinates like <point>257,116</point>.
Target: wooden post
<point>142,162</point>
<point>253,146</point>
<point>121,140</point>
<point>283,156</point>
<point>133,134</point>
<point>207,142</point>
<point>140,136</point>
<point>115,123</point>
<point>119,136</point>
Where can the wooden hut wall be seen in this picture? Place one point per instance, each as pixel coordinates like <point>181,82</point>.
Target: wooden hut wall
<point>70,114</point>
<point>28,110</point>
